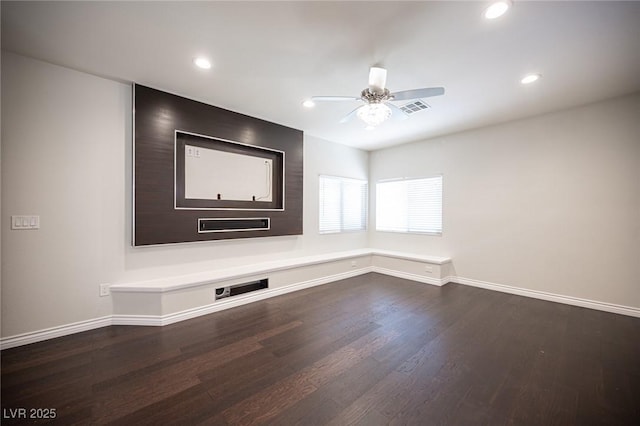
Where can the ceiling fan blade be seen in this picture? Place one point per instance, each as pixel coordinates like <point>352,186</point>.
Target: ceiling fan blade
<point>349,116</point>
<point>377,79</point>
<point>334,98</point>
<point>396,112</point>
<point>417,93</point>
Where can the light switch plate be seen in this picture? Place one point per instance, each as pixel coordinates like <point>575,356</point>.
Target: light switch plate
<point>21,222</point>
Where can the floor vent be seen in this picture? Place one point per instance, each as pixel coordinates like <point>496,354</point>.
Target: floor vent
<point>414,107</point>
<point>236,289</point>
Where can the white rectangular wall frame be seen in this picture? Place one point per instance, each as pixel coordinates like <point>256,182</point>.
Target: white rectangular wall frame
<point>208,171</point>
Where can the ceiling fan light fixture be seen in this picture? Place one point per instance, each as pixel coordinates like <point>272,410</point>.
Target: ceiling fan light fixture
<point>374,114</point>
<point>377,79</point>
<point>377,99</point>
<point>528,79</point>
<point>202,62</point>
<point>497,9</point>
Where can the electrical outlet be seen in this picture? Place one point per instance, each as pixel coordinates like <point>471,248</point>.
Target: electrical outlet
<point>428,268</point>
<point>354,263</point>
<point>104,289</point>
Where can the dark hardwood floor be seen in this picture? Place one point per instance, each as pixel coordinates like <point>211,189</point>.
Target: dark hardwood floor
<point>371,350</point>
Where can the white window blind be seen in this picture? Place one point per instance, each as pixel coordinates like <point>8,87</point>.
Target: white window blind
<point>410,205</point>
<point>343,204</point>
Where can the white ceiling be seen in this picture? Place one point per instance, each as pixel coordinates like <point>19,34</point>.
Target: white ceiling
<point>269,56</point>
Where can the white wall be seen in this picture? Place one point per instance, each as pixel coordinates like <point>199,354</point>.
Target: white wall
<point>550,203</point>
<point>63,157</point>
<point>66,144</point>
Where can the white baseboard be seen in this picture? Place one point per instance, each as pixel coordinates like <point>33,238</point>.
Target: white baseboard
<point>145,320</point>
<point>409,276</point>
<point>552,297</point>
<point>160,320</point>
<point>53,332</point>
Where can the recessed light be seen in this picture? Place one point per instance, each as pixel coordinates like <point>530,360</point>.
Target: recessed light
<point>497,9</point>
<point>202,63</point>
<point>528,79</point>
<point>308,103</point>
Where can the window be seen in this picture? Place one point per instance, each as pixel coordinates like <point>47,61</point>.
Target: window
<point>343,204</point>
<point>410,205</point>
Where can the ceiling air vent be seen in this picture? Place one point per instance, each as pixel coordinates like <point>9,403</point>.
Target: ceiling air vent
<point>414,107</point>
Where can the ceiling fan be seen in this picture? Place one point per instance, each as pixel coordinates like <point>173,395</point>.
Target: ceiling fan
<point>377,99</point>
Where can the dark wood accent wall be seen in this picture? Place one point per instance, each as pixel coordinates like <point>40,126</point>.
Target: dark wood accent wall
<point>157,116</point>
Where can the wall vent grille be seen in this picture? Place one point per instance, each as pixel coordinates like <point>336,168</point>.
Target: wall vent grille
<point>414,107</point>
<point>234,290</point>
